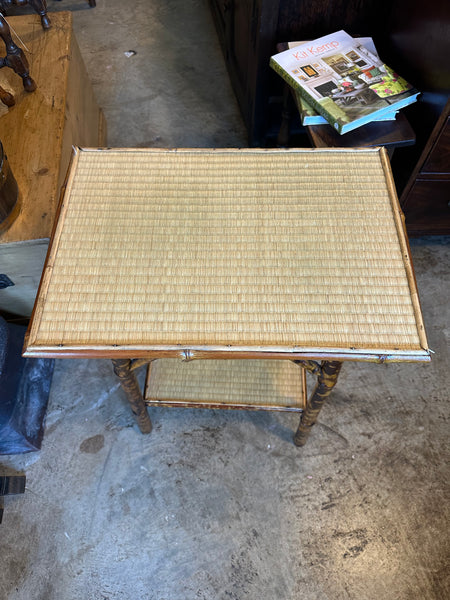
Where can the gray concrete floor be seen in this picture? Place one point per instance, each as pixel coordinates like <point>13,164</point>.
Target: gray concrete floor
<point>220,504</point>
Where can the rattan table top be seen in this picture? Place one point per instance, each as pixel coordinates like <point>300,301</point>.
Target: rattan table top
<point>291,251</point>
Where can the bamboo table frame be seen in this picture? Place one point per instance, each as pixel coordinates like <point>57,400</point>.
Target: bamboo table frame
<point>327,373</point>
<point>229,254</point>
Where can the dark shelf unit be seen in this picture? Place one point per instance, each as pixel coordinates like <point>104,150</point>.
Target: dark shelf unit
<point>412,38</point>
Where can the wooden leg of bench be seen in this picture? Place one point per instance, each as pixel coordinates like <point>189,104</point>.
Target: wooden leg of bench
<point>122,368</point>
<point>326,380</point>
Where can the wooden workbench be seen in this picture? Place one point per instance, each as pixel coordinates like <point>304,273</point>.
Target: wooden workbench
<point>38,134</point>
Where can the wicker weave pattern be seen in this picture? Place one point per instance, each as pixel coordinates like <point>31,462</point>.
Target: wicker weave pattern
<point>267,384</point>
<point>246,248</point>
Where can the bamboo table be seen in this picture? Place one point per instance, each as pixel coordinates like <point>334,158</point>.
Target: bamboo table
<point>272,259</point>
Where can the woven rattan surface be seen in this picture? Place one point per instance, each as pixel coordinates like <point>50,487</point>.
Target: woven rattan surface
<point>263,384</point>
<point>293,250</point>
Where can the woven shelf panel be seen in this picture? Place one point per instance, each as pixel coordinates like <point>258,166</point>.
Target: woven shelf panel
<point>262,384</point>
<point>262,248</point>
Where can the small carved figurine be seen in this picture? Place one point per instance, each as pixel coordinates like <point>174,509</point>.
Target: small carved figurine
<point>40,6</point>
<point>16,60</point>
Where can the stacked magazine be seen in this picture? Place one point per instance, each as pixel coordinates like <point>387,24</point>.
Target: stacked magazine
<point>341,80</point>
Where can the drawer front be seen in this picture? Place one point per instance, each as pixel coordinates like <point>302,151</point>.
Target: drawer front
<point>438,160</point>
<point>427,207</point>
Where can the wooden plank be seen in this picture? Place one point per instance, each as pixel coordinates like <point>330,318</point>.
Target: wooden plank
<point>90,130</point>
<point>39,131</point>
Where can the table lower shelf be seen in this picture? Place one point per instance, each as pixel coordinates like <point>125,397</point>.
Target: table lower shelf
<point>248,384</point>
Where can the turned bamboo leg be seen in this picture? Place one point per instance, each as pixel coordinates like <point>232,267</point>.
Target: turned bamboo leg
<point>122,368</point>
<point>326,380</point>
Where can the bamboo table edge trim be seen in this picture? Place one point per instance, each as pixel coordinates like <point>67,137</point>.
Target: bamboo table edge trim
<point>223,352</point>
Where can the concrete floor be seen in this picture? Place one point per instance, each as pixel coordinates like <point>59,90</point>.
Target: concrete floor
<point>220,504</point>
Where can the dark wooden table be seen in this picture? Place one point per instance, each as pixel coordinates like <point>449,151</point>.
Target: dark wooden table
<point>390,134</point>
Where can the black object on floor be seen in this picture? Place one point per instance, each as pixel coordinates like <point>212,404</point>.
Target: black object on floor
<point>11,485</point>
<point>24,390</point>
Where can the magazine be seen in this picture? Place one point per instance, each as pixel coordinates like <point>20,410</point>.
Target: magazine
<point>308,115</point>
<point>343,80</point>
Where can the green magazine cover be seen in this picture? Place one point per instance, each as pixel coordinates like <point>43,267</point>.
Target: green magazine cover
<point>343,81</point>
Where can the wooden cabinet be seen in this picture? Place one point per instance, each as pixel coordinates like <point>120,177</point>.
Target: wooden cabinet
<point>38,134</point>
<point>414,39</point>
<point>246,32</point>
<point>426,197</point>
<point>249,31</point>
